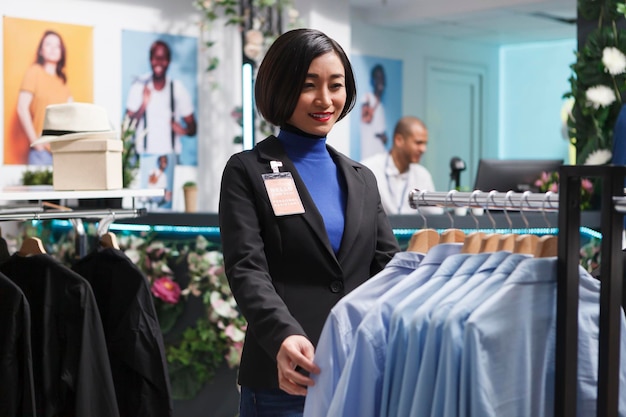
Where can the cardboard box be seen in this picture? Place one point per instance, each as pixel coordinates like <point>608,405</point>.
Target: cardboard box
<point>87,164</point>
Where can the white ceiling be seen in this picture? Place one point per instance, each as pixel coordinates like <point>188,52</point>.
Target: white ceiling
<point>494,22</point>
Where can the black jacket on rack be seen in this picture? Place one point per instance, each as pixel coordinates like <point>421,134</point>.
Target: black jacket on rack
<point>16,366</point>
<point>133,335</point>
<point>70,362</point>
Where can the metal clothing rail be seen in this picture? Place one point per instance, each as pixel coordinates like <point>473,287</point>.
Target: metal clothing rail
<point>21,215</point>
<point>105,216</point>
<point>495,200</point>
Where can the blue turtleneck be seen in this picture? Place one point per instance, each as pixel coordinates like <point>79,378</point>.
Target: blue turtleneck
<point>321,176</point>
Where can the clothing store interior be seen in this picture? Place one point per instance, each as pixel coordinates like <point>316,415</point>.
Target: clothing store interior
<point>513,246</point>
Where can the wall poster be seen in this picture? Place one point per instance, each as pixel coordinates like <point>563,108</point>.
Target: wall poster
<point>159,93</point>
<point>44,63</point>
<point>378,107</point>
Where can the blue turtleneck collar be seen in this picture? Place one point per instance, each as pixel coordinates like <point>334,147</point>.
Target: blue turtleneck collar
<point>299,144</point>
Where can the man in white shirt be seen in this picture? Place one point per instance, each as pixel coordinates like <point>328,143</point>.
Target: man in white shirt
<point>398,171</point>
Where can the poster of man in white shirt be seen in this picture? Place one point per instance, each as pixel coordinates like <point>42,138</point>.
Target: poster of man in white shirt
<point>160,95</point>
<point>379,104</point>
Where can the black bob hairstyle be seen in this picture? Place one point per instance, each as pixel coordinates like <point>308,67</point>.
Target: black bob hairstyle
<point>284,69</point>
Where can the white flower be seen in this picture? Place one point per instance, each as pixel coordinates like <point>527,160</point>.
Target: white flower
<point>600,96</point>
<point>599,157</point>
<point>614,61</point>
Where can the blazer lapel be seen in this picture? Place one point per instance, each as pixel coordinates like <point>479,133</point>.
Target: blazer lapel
<point>355,188</point>
<point>271,150</point>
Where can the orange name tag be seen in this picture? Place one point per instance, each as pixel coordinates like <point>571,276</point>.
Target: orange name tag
<point>283,194</point>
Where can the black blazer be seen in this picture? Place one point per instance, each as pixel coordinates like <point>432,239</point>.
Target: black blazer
<point>133,336</point>
<point>282,270</point>
<point>71,369</point>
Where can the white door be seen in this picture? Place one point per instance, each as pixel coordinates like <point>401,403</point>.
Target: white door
<point>454,114</point>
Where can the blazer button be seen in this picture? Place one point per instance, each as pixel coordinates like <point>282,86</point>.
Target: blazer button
<point>336,286</point>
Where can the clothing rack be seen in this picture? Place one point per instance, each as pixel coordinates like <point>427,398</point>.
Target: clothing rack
<point>612,292</point>
<point>24,212</point>
<point>492,200</point>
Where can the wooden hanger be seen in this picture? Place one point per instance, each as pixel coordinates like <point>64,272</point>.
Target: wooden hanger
<point>423,240</point>
<point>507,242</point>
<point>109,240</point>
<point>526,244</point>
<point>547,246</point>
<point>31,246</point>
<point>473,242</point>
<point>489,243</point>
<point>452,236</point>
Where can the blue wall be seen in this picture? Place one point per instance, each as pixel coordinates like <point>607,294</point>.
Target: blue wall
<point>534,78</point>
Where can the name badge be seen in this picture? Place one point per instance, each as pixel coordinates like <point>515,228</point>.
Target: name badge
<point>283,193</point>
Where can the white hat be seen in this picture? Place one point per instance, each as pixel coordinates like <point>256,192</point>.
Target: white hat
<point>71,121</point>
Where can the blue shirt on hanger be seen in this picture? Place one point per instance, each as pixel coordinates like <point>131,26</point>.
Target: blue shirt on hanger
<point>507,367</point>
<point>336,338</point>
<point>359,387</point>
<point>445,398</point>
<point>412,320</point>
<point>419,395</point>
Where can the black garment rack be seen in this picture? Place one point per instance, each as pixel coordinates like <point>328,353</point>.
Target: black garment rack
<point>612,295</point>
<point>612,291</point>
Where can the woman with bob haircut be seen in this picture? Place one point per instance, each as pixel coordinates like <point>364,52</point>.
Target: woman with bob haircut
<point>301,224</point>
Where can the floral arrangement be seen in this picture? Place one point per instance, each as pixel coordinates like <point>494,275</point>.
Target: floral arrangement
<point>598,83</point>
<point>196,352</point>
<point>259,20</point>
<point>549,182</point>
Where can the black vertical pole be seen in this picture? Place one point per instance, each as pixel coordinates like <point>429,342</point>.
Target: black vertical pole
<point>566,366</point>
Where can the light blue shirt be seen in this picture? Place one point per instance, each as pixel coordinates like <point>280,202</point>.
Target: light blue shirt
<point>358,388</point>
<point>507,368</point>
<point>418,387</point>
<point>337,335</point>
<point>445,398</point>
<point>414,319</point>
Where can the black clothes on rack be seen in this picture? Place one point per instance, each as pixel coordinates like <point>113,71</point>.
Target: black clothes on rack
<point>16,365</point>
<point>4,250</point>
<point>133,336</point>
<point>72,376</point>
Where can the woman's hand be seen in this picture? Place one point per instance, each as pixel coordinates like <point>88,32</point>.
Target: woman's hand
<point>295,362</point>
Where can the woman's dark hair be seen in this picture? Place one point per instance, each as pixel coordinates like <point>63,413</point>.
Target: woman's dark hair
<point>284,69</point>
<point>61,64</point>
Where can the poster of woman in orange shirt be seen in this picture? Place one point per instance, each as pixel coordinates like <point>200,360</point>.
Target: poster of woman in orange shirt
<point>33,81</point>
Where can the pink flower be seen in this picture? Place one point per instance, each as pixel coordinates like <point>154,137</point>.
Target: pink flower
<point>166,289</point>
<point>554,188</point>
<point>587,185</point>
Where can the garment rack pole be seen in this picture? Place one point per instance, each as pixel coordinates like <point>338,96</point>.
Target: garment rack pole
<point>611,288</point>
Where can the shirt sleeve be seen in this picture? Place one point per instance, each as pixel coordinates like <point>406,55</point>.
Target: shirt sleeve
<point>135,94</point>
<point>29,82</point>
<point>184,105</point>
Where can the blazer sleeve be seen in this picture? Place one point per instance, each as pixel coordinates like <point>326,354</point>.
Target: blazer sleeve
<point>241,230</point>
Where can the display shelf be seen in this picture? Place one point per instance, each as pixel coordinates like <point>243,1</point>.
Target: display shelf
<point>38,193</point>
